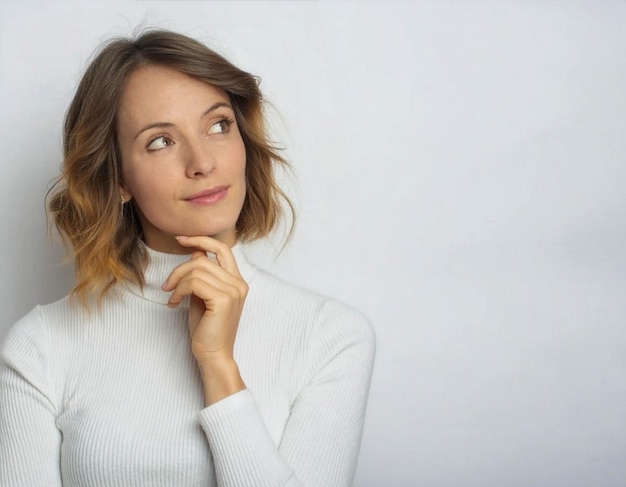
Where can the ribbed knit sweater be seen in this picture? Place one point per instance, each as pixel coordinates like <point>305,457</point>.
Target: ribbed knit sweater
<point>114,397</point>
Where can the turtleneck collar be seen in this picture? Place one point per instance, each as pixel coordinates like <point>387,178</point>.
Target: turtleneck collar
<point>161,264</point>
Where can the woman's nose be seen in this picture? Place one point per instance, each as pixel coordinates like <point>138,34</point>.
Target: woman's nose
<point>200,159</point>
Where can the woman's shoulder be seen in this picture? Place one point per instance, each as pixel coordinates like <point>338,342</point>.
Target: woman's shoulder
<point>27,337</point>
<point>309,307</point>
<point>41,322</point>
<point>307,328</point>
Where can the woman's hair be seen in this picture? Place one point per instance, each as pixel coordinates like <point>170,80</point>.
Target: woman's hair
<point>85,201</point>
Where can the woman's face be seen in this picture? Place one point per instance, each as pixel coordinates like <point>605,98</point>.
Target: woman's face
<point>183,158</point>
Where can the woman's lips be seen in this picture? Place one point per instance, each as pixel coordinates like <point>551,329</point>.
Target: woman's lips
<point>208,196</point>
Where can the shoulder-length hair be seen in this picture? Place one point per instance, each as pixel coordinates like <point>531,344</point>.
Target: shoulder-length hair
<point>84,202</point>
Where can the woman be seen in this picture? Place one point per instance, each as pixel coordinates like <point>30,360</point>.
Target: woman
<point>175,361</point>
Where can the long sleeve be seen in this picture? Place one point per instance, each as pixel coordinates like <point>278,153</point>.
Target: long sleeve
<point>320,444</point>
<point>29,439</point>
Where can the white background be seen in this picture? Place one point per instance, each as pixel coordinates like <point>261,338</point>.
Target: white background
<point>460,178</point>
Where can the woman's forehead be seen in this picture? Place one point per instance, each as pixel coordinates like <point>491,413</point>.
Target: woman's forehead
<point>157,91</point>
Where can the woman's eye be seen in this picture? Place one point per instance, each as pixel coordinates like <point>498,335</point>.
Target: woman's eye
<point>220,127</point>
<point>159,143</point>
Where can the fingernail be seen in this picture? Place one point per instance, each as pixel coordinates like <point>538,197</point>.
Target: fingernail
<point>164,285</point>
<point>182,237</point>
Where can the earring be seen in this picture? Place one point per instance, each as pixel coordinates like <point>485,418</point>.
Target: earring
<point>123,201</point>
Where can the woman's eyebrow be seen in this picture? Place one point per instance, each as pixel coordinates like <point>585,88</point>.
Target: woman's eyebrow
<point>153,126</point>
<point>212,108</point>
<point>215,106</point>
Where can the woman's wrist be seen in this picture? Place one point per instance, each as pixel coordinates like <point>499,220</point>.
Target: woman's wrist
<point>220,379</point>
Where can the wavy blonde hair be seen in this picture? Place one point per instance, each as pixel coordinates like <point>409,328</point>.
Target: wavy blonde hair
<point>84,201</point>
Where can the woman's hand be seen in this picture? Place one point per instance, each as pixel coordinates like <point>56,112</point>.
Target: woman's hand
<point>217,293</point>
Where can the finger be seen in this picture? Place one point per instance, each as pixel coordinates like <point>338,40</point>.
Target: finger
<point>205,286</point>
<point>202,262</point>
<point>213,273</point>
<point>222,251</point>
<point>198,254</point>
<point>201,254</point>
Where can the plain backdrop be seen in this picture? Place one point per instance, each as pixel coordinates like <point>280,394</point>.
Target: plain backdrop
<point>459,177</point>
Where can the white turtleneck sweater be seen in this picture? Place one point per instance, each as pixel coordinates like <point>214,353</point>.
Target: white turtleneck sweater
<point>114,398</point>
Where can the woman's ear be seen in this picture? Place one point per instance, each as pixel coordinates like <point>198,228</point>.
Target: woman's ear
<point>125,194</point>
